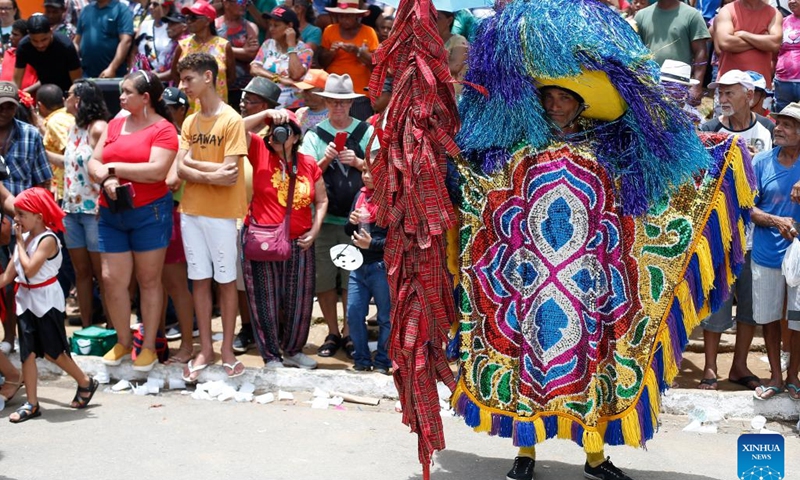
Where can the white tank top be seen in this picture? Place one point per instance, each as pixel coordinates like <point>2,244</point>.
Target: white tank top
<point>39,300</point>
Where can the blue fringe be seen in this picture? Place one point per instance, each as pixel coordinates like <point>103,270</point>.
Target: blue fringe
<point>524,434</point>
<point>694,281</point>
<point>551,426</point>
<point>506,426</point>
<point>472,413</point>
<point>577,433</point>
<point>646,415</point>
<point>614,433</point>
<point>658,369</point>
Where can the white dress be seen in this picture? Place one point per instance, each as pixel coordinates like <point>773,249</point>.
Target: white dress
<point>39,300</point>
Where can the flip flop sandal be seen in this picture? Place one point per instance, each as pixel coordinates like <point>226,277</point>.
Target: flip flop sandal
<point>766,391</point>
<point>232,368</point>
<point>746,381</point>
<point>710,382</point>
<point>82,401</point>
<point>192,370</point>
<point>349,347</point>
<point>330,346</point>
<point>793,391</point>
<point>26,412</point>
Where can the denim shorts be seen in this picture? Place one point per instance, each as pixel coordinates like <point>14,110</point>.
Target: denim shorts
<point>142,229</point>
<point>81,231</point>
<point>785,93</point>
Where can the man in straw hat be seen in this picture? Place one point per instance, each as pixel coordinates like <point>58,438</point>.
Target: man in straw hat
<point>777,172</point>
<point>347,48</point>
<point>341,170</point>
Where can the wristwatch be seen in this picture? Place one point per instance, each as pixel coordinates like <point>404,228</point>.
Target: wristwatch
<point>112,172</point>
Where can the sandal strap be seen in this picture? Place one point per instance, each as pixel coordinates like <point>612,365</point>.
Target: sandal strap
<point>27,408</point>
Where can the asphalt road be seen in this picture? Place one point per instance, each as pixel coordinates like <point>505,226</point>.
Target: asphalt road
<point>172,436</point>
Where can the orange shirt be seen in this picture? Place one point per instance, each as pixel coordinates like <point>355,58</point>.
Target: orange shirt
<point>348,63</point>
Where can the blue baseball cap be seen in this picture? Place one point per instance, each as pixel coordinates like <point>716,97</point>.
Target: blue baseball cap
<point>760,83</point>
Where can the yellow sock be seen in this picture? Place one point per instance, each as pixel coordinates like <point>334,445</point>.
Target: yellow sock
<point>595,459</point>
<point>529,452</point>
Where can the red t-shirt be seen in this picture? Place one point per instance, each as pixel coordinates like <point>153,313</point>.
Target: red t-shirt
<point>135,148</point>
<point>271,188</point>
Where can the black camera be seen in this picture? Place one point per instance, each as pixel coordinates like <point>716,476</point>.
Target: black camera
<point>281,133</point>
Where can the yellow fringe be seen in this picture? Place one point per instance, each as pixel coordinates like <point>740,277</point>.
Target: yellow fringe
<point>670,368</point>
<point>486,421</point>
<point>592,442</point>
<point>688,309</point>
<point>631,430</point>
<point>743,191</point>
<point>565,428</point>
<point>703,252</point>
<point>651,382</point>
<point>721,207</point>
<point>541,432</point>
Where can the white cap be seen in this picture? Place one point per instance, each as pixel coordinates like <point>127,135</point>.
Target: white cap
<point>734,77</point>
<point>677,72</point>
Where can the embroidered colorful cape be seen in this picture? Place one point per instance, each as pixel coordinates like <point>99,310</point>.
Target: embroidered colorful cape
<point>574,317</point>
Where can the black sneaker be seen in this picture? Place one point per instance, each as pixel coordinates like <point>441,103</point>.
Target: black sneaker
<point>522,469</point>
<point>604,471</point>
<point>244,340</point>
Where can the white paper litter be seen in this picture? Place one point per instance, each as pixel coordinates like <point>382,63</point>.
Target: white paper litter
<point>120,386</point>
<point>285,395</point>
<point>201,395</point>
<point>227,395</point>
<point>142,389</point>
<point>243,396</point>
<point>177,384</point>
<point>319,403</point>
<point>247,387</point>
<point>102,376</point>
<point>320,393</point>
<point>698,427</point>
<point>758,422</point>
<point>335,401</point>
<point>217,337</point>
<point>266,398</point>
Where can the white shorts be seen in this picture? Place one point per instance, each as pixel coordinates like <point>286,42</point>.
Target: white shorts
<point>210,247</point>
<point>772,297</point>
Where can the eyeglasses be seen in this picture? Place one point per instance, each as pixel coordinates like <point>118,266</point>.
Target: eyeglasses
<point>6,9</point>
<point>338,103</point>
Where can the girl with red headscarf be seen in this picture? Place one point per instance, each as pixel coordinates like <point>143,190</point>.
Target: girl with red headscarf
<point>39,300</point>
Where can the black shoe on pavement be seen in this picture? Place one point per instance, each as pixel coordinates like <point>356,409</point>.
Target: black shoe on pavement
<point>244,340</point>
<point>604,471</point>
<point>522,469</point>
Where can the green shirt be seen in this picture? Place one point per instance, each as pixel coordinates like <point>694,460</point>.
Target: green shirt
<point>263,6</point>
<point>314,146</point>
<point>669,33</point>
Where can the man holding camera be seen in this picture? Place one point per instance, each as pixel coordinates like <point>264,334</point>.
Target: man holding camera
<point>341,168</point>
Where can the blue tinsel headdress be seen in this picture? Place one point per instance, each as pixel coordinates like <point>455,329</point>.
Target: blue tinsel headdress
<point>651,148</point>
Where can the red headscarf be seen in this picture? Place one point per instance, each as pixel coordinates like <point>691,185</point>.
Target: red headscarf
<point>40,201</point>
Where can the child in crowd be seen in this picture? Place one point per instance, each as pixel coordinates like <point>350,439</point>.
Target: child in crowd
<point>368,281</point>
<point>315,110</point>
<point>212,147</point>
<point>40,302</point>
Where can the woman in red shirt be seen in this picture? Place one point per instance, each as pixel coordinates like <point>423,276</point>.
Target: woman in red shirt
<point>281,294</point>
<point>131,161</point>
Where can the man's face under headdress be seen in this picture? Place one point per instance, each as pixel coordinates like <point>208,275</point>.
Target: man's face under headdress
<point>560,105</point>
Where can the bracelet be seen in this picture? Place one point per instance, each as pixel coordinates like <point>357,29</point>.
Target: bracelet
<point>103,183</point>
<point>291,50</point>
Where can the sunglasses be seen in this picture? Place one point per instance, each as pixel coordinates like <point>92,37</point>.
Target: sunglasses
<point>193,18</point>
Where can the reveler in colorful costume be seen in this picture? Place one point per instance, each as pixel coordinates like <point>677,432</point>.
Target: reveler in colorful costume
<point>586,258</point>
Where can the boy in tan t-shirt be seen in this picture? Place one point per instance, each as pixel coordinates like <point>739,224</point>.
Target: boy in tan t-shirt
<point>213,144</point>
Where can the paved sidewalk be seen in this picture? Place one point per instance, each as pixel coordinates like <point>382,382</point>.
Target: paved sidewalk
<point>335,374</point>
